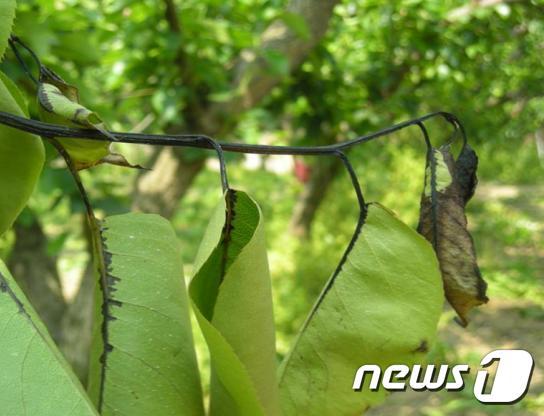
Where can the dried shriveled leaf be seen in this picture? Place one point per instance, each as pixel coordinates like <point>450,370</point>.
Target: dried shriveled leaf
<point>443,222</point>
<point>119,160</point>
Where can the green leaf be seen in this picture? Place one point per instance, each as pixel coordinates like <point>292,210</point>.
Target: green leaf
<point>143,360</point>
<point>231,296</point>
<point>35,379</point>
<point>21,160</point>
<point>15,93</point>
<point>7,14</point>
<point>380,307</point>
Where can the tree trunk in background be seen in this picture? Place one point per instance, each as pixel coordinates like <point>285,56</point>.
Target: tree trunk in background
<point>36,273</point>
<point>322,176</point>
<point>161,189</point>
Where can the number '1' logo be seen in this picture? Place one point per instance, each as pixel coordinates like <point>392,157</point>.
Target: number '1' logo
<point>514,371</point>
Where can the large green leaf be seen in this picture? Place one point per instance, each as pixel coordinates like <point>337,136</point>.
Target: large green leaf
<point>143,360</point>
<point>21,160</point>
<point>35,379</point>
<point>231,295</point>
<point>380,307</point>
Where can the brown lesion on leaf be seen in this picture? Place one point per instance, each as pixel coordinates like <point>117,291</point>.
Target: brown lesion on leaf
<point>423,347</point>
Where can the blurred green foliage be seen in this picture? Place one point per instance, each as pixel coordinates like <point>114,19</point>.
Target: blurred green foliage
<point>379,63</point>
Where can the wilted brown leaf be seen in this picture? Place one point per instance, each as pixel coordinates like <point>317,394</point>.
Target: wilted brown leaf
<point>442,221</point>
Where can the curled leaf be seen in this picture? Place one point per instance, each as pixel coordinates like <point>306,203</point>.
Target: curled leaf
<point>59,104</point>
<point>232,300</point>
<point>53,100</point>
<point>449,185</point>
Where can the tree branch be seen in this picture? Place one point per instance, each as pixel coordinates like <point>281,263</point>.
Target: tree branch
<point>204,142</point>
<point>171,16</point>
<point>252,76</point>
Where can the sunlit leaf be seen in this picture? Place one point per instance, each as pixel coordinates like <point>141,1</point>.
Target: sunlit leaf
<point>232,299</point>
<point>143,360</point>
<point>380,307</point>
<point>7,14</point>
<point>15,93</point>
<point>21,159</point>
<point>35,379</point>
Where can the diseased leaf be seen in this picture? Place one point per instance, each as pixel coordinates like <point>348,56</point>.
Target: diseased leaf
<point>143,360</point>
<point>443,176</point>
<point>231,297</point>
<point>21,160</point>
<point>443,222</point>
<point>35,379</point>
<point>59,104</point>
<point>381,307</point>
<point>52,99</point>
